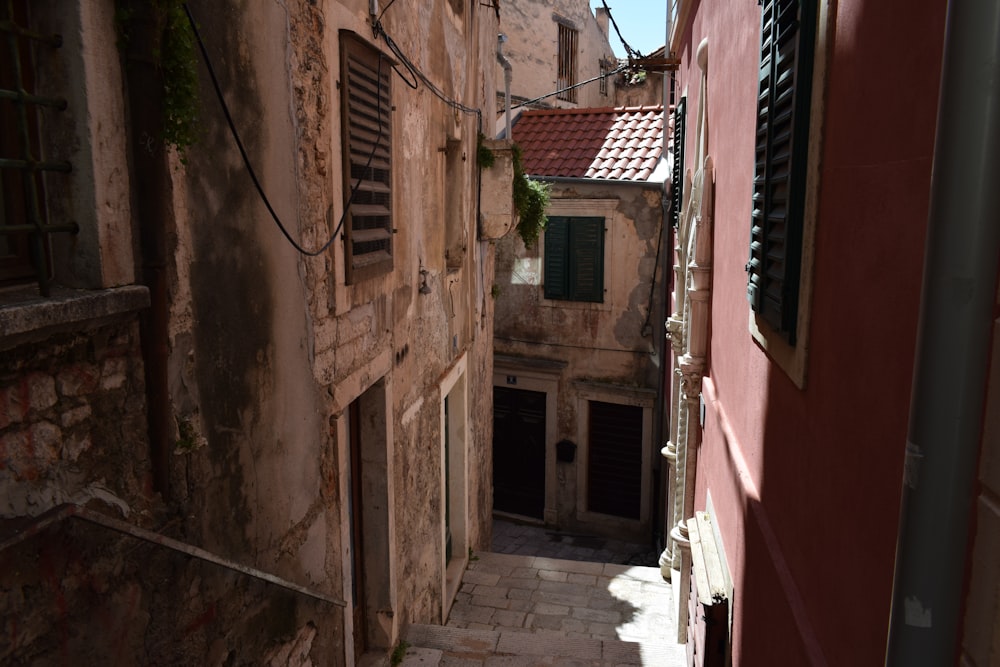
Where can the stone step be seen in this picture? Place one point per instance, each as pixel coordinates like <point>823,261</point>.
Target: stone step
<point>476,646</point>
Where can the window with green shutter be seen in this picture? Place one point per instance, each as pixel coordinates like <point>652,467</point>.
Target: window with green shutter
<point>574,259</point>
<point>784,92</point>
<point>677,170</point>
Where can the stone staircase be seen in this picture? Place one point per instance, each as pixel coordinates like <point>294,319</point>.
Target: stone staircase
<point>519,611</point>
<point>433,645</point>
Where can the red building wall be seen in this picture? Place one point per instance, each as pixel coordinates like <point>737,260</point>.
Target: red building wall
<point>805,483</point>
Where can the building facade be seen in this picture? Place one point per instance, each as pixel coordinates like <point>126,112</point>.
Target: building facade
<point>553,49</point>
<point>577,370</point>
<point>233,428</point>
<point>806,173</point>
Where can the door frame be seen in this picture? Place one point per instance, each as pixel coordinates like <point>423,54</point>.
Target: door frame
<point>541,375</point>
<point>373,386</point>
<point>454,479</point>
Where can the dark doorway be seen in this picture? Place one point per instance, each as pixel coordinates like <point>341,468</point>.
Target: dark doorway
<point>357,532</point>
<point>614,470</point>
<point>519,451</point>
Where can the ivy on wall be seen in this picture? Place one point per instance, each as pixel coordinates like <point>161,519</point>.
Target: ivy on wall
<point>172,51</point>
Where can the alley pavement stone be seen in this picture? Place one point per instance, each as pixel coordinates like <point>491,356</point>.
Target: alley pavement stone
<point>522,539</point>
<point>516,610</point>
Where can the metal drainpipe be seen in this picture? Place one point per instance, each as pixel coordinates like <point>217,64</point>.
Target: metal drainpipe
<point>507,73</point>
<point>152,213</point>
<point>946,407</point>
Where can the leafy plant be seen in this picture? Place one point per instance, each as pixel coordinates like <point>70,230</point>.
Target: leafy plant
<point>531,198</point>
<point>484,156</point>
<point>398,653</point>
<point>178,62</point>
<point>172,50</point>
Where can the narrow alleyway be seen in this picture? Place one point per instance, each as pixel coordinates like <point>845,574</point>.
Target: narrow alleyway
<point>527,607</point>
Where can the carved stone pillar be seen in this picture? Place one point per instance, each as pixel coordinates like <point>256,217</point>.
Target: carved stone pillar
<point>675,334</point>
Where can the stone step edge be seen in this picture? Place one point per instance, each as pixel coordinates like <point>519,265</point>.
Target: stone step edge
<point>511,642</point>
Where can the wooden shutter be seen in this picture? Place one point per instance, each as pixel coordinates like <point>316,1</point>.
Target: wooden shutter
<point>677,173</point>
<point>587,259</point>
<point>614,459</point>
<point>784,91</point>
<point>557,258</point>
<point>574,259</point>
<point>566,66</point>
<point>367,139</point>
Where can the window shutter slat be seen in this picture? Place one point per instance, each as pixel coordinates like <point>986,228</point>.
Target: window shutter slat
<point>556,264</point>
<point>677,173</point>
<point>587,259</point>
<point>773,268</point>
<point>367,141</point>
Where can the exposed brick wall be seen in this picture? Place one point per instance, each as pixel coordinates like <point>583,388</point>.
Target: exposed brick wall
<point>73,421</point>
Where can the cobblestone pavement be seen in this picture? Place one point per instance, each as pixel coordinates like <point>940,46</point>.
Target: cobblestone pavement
<point>529,540</point>
<point>521,611</point>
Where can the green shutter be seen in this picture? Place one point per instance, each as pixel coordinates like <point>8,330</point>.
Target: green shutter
<point>574,259</point>
<point>556,258</point>
<point>677,173</point>
<point>587,259</point>
<point>784,92</point>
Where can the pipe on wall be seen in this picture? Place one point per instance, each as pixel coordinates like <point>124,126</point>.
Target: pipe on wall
<point>946,405</point>
<point>507,75</point>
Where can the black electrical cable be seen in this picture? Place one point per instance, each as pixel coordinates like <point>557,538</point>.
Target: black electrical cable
<point>384,10</point>
<point>414,71</point>
<point>562,90</point>
<point>246,159</point>
<point>632,53</point>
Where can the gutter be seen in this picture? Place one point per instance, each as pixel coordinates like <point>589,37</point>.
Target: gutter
<point>956,313</point>
<point>577,180</point>
<point>507,75</point>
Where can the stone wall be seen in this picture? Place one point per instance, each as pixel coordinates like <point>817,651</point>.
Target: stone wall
<point>73,422</point>
<point>531,27</point>
<point>278,373</point>
<point>577,352</point>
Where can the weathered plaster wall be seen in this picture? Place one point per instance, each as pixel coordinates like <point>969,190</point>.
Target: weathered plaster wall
<point>784,465</point>
<point>268,409</point>
<point>532,48</point>
<point>267,350</point>
<point>608,343</point>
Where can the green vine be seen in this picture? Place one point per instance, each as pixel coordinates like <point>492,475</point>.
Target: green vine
<point>398,653</point>
<point>179,64</point>
<point>174,55</point>
<point>531,198</point>
<point>484,156</point>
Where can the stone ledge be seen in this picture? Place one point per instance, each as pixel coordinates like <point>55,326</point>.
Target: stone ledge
<point>27,317</point>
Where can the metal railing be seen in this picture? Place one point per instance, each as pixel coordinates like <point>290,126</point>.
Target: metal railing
<point>16,39</point>
<point>61,513</point>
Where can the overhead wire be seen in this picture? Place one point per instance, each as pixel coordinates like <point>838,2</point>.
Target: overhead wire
<point>246,158</point>
<point>622,68</point>
<point>633,54</point>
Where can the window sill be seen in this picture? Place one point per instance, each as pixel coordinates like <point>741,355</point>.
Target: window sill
<point>792,360</point>
<point>27,317</point>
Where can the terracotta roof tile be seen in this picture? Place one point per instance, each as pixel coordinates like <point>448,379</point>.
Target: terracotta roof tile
<point>618,144</point>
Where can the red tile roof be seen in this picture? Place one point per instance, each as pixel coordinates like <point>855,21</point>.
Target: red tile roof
<point>617,144</point>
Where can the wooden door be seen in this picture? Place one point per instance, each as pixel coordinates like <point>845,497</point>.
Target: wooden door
<point>519,451</point>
